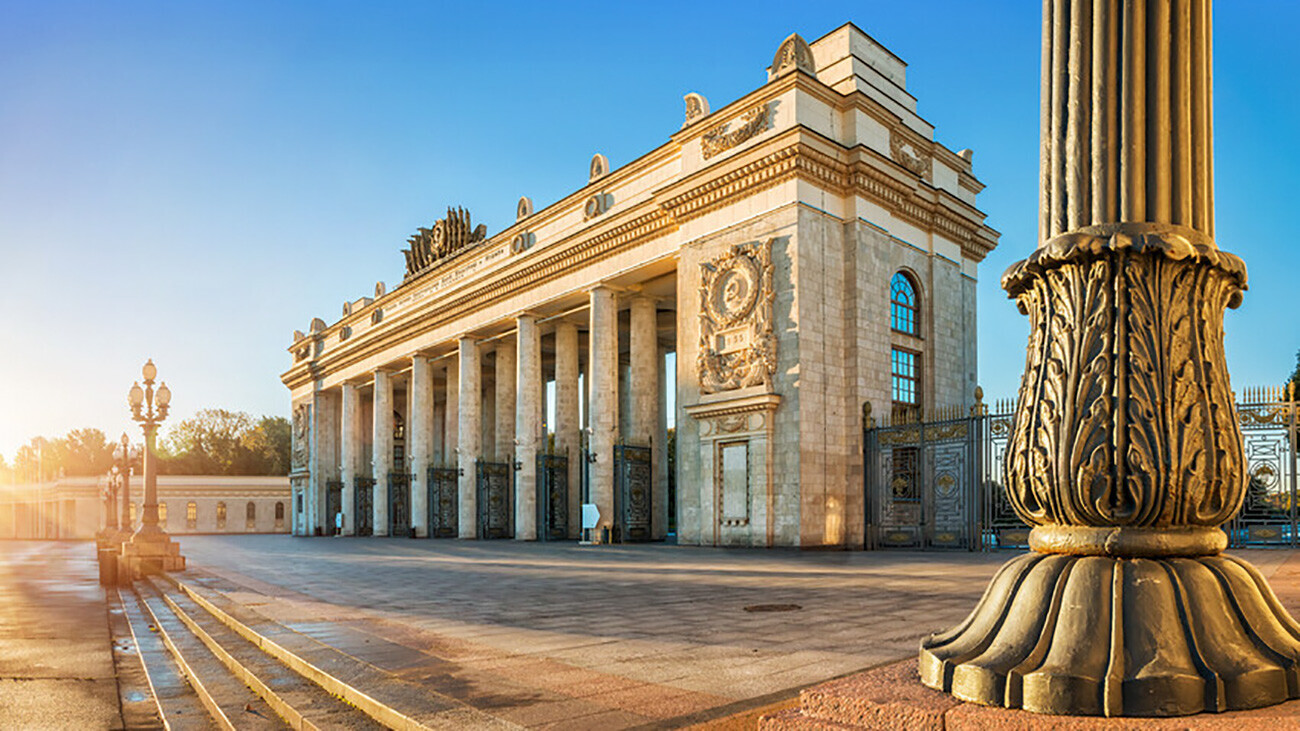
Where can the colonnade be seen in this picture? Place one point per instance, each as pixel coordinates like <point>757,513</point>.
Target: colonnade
<point>463,422</point>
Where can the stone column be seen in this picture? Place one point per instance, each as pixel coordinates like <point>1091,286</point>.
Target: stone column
<point>527,427</point>
<point>350,452</point>
<point>568,438</point>
<point>643,395</point>
<point>438,437</point>
<point>660,501</point>
<point>468,446</point>
<point>602,386</point>
<point>451,411</point>
<point>382,457</point>
<point>1125,452</point>
<point>419,441</point>
<point>504,402</point>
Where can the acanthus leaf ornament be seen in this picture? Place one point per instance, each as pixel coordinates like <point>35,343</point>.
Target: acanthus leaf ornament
<point>737,341</point>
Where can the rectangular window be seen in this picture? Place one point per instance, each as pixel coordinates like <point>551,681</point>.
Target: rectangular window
<point>905,376</point>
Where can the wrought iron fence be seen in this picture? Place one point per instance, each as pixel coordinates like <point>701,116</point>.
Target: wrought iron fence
<point>363,512</point>
<point>937,482</point>
<point>444,510</point>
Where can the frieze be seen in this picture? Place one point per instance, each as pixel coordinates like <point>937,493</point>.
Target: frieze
<point>737,343</point>
<point>722,137</point>
<point>911,155</point>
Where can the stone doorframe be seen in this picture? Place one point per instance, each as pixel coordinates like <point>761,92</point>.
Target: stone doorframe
<point>738,427</point>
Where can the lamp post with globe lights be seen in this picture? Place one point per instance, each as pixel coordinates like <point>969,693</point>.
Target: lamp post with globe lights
<point>125,457</point>
<point>150,549</point>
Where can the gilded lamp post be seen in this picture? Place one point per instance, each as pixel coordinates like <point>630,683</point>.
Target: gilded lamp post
<point>1126,453</point>
<point>150,549</point>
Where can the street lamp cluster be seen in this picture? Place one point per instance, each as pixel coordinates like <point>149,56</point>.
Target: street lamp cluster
<point>149,549</point>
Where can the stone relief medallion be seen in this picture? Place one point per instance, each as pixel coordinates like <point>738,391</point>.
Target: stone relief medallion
<point>737,344</point>
<point>910,156</point>
<point>301,429</point>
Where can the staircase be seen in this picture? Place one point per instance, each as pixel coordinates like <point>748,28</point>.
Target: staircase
<point>213,663</point>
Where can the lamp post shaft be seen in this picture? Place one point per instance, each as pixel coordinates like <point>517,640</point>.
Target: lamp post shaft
<point>110,503</point>
<point>126,494</point>
<point>149,518</point>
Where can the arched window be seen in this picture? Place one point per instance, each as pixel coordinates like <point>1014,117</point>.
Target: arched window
<point>162,514</point>
<point>192,515</point>
<point>221,516</point>
<point>904,305</point>
<point>279,515</point>
<point>251,516</point>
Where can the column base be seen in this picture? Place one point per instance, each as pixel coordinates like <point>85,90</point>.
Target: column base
<point>155,554</point>
<point>1099,635</point>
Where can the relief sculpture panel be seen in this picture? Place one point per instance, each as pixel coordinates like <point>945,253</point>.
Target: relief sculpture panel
<point>737,343</point>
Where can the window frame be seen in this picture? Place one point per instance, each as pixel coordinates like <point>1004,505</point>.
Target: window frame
<point>913,309</point>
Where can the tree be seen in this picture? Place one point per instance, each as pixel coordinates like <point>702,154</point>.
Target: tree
<point>83,453</point>
<point>1294,380</point>
<point>221,442</point>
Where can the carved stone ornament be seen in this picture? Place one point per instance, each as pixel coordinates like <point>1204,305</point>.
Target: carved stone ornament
<point>906,153</point>
<point>599,167</point>
<point>524,209</point>
<point>447,236</point>
<point>729,134</point>
<point>737,342</point>
<point>697,108</point>
<point>522,242</point>
<point>596,205</point>
<point>380,290</point>
<point>301,432</point>
<point>792,55</point>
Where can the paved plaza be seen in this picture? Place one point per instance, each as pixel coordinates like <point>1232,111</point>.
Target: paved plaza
<point>617,635</point>
<point>56,658</point>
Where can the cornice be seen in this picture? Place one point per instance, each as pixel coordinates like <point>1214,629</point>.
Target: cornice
<point>795,153</point>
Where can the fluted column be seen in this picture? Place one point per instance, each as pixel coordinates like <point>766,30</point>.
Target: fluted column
<point>468,444</point>
<point>568,439</point>
<point>419,440</point>
<point>451,412</point>
<point>1125,453</point>
<point>382,458</point>
<point>350,451</point>
<point>506,395</point>
<point>643,395</point>
<point>527,427</point>
<point>602,387</point>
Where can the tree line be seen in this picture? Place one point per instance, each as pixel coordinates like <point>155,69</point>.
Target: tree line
<point>212,442</point>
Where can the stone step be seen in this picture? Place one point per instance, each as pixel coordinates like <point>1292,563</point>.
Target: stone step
<point>392,701</point>
<point>298,701</point>
<point>793,719</point>
<point>179,707</point>
<point>229,702</point>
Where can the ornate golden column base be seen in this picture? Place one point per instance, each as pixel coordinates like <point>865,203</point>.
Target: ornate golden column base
<point>1101,635</point>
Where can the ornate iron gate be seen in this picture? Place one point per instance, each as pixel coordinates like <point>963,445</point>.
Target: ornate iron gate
<point>399,504</point>
<point>444,518</point>
<point>494,500</point>
<point>552,497</point>
<point>1269,433</point>
<point>333,504</point>
<point>921,480</point>
<point>363,511</point>
<point>632,489</point>
<point>939,483</point>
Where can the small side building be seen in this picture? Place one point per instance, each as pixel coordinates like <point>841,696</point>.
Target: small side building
<point>73,508</point>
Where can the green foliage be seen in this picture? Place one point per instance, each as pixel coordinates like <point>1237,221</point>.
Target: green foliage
<point>212,442</point>
<point>1295,375</point>
<point>221,442</point>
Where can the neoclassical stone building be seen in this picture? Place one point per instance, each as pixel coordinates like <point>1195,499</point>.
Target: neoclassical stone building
<point>798,253</point>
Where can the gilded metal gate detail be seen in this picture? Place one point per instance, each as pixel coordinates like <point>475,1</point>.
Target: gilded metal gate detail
<point>921,481</point>
<point>399,504</point>
<point>1269,430</point>
<point>363,512</point>
<point>632,489</point>
<point>444,509</point>
<point>494,500</point>
<point>939,483</point>
<point>552,497</point>
<point>333,504</point>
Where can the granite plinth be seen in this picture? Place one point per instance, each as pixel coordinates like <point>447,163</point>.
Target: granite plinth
<point>892,697</point>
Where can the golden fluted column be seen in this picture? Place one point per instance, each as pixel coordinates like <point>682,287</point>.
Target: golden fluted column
<point>1126,453</point>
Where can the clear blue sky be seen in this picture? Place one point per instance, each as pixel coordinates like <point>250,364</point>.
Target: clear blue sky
<point>193,181</point>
